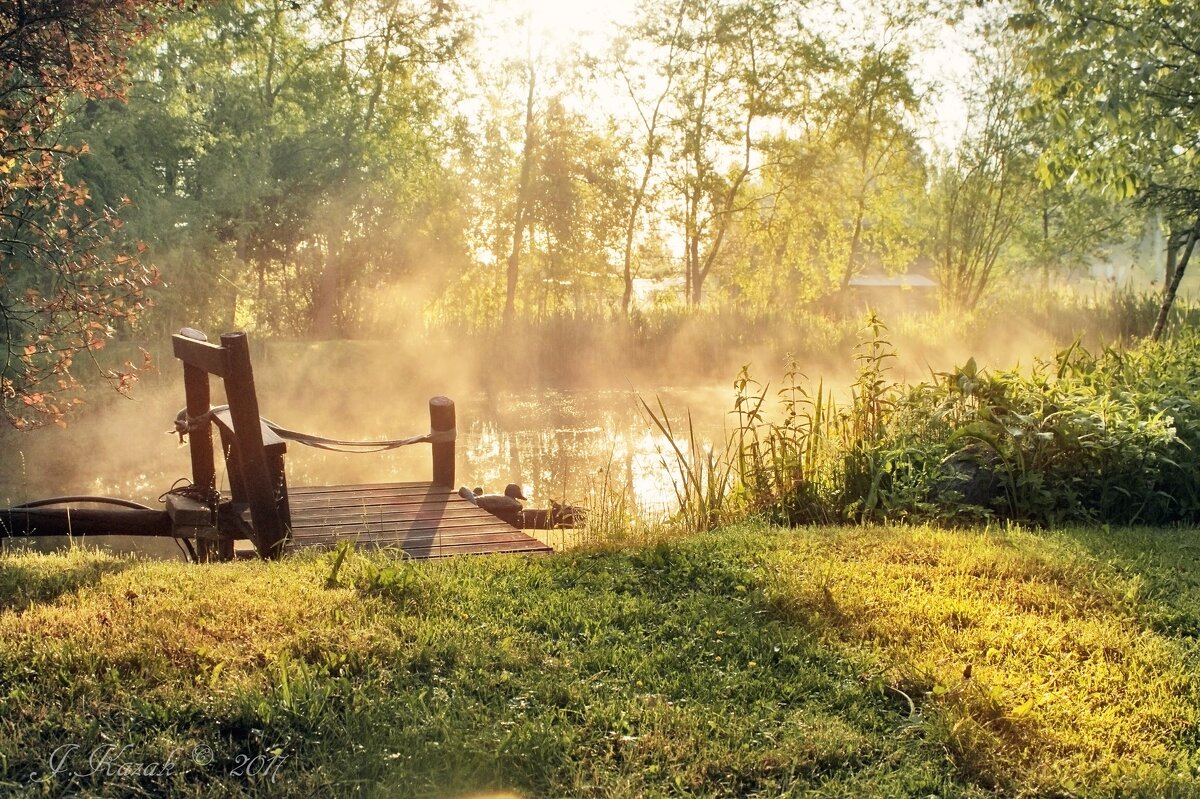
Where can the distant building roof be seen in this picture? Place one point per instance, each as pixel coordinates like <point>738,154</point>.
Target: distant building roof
<point>893,281</point>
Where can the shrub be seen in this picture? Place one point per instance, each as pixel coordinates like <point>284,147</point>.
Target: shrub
<point>1082,437</point>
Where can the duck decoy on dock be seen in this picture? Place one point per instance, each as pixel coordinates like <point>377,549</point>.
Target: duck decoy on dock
<point>506,506</point>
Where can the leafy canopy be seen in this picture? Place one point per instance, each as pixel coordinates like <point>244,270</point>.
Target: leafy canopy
<point>63,291</point>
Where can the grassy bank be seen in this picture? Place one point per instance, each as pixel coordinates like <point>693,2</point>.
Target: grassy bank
<point>751,662</point>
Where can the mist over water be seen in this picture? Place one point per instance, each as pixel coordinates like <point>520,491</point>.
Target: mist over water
<point>559,432</point>
<point>558,443</point>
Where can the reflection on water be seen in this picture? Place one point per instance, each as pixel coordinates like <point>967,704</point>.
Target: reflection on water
<point>561,444</point>
<point>558,444</point>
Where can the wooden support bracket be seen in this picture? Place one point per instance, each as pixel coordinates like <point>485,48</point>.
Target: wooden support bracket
<point>188,512</point>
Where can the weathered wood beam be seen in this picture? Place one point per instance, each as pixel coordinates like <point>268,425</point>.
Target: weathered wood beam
<point>269,528</point>
<point>24,522</point>
<point>192,347</point>
<point>200,443</point>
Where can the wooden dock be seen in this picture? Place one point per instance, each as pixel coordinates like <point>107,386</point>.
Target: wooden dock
<point>422,519</point>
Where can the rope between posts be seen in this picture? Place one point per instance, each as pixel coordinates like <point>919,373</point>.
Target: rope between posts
<point>185,424</point>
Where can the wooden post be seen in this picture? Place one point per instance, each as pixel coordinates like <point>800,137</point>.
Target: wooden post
<point>200,442</point>
<point>441,421</point>
<point>269,530</point>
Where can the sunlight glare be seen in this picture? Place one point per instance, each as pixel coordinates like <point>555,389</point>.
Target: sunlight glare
<point>557,26</point>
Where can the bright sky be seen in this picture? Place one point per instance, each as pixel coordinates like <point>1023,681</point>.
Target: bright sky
<point>562,21</point>
<point>560,24</point>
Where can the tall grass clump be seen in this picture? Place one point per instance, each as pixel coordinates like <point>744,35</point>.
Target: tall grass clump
<point>701,475</point>
<point>818,461</point>
<point>613,518</point>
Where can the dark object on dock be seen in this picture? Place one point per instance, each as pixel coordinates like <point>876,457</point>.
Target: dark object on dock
<point>506,506</point>
<point>555,517</point>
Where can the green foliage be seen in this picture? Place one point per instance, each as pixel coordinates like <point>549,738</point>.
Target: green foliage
<point>1120,83</point>
<point>283,159</point>
<point>1099,438</point>
<point>64,288</point>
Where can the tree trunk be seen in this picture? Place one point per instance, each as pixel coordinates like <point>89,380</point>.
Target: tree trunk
<point>647,171</point>
<point>1176,239</point>
<point>514,256</point>
<point>1173,286</point>
<point>630,225</point>
<point>1045,244</point>
<point>693,261</point>
<point>325,310</point>
<point>855,239</point>
<point>326,296</point>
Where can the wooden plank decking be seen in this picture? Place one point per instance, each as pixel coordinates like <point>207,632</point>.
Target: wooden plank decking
<point>424,520</point>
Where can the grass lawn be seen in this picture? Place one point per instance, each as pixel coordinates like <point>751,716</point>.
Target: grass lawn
<point>751,662</point>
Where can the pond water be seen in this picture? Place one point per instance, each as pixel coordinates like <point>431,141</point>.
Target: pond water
<point>558,443</point>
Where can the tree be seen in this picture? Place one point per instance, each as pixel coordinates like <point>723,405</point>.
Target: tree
<point>650,107</point>
<point>873,127</point>
<point>839,190</point>
<point>579,191</point>
<point>285,159</point>
<point>523,200</point>
<point>1065,225</point>
<point>791,246</point>
<point>63,290</point>
<point>744,66</point>
<point>1121,81</point>
<point>978,193</point>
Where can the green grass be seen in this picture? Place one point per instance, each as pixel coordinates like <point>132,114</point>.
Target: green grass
<point>749,662</point>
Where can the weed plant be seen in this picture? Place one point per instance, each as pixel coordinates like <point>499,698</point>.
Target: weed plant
<point>700,475</point>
